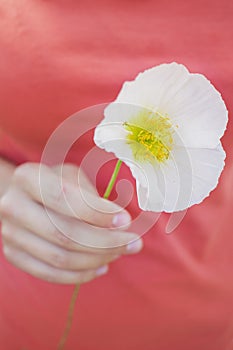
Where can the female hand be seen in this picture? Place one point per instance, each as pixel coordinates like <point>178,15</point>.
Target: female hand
<point>35,230</point>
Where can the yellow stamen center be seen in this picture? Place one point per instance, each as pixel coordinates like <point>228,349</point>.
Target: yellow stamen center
<point>150,136</point>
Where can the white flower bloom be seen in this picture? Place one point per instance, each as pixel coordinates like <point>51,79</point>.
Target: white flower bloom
<point>166,126</point>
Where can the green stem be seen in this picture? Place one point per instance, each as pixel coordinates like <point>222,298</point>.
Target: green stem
<point>112,180</point>
<point>74,296</point>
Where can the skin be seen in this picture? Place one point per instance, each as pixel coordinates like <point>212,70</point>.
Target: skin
<point>36,221</point>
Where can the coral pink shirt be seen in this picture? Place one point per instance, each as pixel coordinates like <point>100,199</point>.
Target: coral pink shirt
<point>57,57</point>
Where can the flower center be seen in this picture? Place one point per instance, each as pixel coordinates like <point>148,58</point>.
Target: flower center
<point>150,136</point>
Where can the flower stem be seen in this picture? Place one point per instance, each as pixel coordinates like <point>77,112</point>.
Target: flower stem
<point>74,296</point>
<point>69,318</point>
<point>112,180</point>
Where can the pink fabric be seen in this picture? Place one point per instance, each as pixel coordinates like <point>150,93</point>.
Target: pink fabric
<point>58,57</point>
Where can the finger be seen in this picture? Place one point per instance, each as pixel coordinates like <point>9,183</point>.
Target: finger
<point>39,269</point>
<point>75,176</point>
<point>50,253</point>
<point>66,232</point>
<point>46,187</point>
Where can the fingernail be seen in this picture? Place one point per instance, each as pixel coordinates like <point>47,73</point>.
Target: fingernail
<point>102,270</point>
<point>135,246</point>
<point>121,219</point>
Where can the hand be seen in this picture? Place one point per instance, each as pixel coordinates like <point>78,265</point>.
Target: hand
<point>40,246</point>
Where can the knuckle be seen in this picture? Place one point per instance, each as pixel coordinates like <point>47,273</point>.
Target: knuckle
<point>5,232</point>
<point>21,172</point>
<point>49,276</point>
<point>101,261</point>
<point>86,262</point>
<point>59,260</point>
<point>11,204</point>
<point>55,276</point>
<point>85,277</point>
<point>61,238</point>
<point>111,258</point>
<point>56,193</point>
<point>6,204</point>
<point>121,241</point>
<point>71,167</point>
<point>27,176</point>
<point>6,251</point>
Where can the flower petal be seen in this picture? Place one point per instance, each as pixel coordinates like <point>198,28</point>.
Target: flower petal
<point>199,111</point>
<point>150,86</point>
<point>189,176</point>
<point>112,138</point>
<point>119,112</point>
<point>107,133</point>
<point>149,195</point>
<point>189,100</point>
<point>195,158</point>
<point>207,167</point>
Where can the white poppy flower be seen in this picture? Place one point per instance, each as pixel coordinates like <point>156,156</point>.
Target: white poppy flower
<point>166,126</point>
